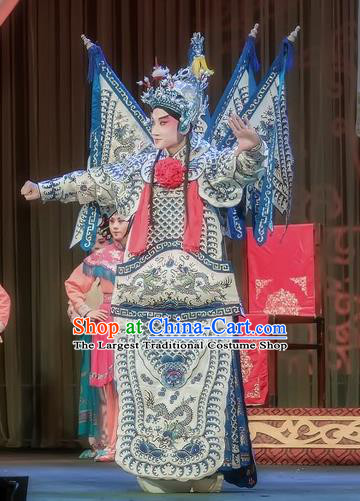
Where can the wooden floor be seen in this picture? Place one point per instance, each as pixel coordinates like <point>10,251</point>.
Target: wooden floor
<point>60,476</point>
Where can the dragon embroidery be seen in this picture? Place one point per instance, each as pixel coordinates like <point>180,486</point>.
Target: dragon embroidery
<point>174,428</point>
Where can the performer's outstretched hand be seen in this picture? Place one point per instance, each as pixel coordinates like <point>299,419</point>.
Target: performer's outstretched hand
<point>247,137</point>
<point>30,191</point>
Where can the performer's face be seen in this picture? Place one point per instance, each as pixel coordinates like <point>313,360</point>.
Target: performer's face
<point>164,130</point>
<point>100,242</point>
<point>118,227</point>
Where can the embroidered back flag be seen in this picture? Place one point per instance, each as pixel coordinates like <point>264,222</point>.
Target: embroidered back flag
<point>119,128</point>
<point>281,274</point>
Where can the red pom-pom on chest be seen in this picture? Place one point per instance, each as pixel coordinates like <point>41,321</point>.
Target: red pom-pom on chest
<point>169,173</point>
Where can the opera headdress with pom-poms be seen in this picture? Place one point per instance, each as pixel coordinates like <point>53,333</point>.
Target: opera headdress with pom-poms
<point>183,92</point>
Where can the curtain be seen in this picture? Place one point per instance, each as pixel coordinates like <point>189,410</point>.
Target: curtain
<point>44,132</point>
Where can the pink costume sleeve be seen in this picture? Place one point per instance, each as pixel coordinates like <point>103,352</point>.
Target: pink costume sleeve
<point>77,285</point>
<point>4,308</point>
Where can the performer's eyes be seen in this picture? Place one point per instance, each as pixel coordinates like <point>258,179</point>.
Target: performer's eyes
<point>161,122</point>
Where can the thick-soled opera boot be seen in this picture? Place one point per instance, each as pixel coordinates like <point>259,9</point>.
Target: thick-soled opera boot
<point>163,486</point>
<point>208,484</point>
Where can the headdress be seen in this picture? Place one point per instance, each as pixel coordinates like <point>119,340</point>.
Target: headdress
<point>182,92</point>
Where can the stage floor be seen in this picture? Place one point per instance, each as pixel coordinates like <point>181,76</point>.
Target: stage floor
<point>60,476</point>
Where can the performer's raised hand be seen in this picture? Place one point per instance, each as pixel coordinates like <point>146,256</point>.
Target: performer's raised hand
<point>30,191</point>
<point>247,137</point>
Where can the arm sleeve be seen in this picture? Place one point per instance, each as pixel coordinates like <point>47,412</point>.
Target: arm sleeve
<point>76,286</point>
<point>228,174</point>
<point>80,186</point>
<point>245,168</point>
